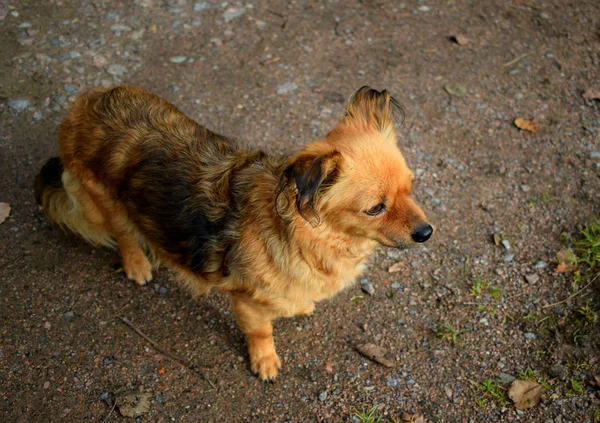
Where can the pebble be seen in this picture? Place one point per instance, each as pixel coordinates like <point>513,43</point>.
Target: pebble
<point>178,59</point>
<point>233,13</point>
<point>286,88</point>
<point>392,382</point>
<point>532,278</point>
<point>506,378</point>
<point>17,105</point>
<point>540,264</point>
<point>508,258</point>
<point>163,290</point>
<point>119,28</point>
<point>424,8</point>
<point>525,188</point>
<point>530,335</point>
<point>396,285</point>
<point>367,286</point>
<point>559,371</point>
<point>393,253</point>
<point>595,155</point>
<point>323,396</point>
<point>506,244</point>
<point>68,315</point>
<point>71,89</point>
<point>199,7</point>
<point>117,70</point>
<point>410,382</point>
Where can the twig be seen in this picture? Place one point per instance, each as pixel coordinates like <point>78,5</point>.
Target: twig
<point>111,411</point>
<point>165,352</point>
<point>574,295</point>
<point>516,59</point>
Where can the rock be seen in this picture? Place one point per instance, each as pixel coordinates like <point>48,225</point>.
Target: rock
<point>117,70</point>
<point>233,13</point>
<point>137,35</point>
<point>410,382</point>
<point>506,244</point>
<point>286,88</point>
<point>367,286</point>
<point>260,24</point>
<point>163,290</point>
<point>323,396</point>
<point>525,188</point>
<point>199,7</point>
<point>68,315</point>
<point>18,105</point>
<point>71,89</point>
<point>540,264</point>
<point>119,28</point>
<point>559,371</point>
<point>508,258</point>
<point>530,335</point>
<point>595,155</point>
<point>392,382</point>
<point>178,59</point>
<point>532,278</point>
<point>424,8</point>
<point>506,378</point>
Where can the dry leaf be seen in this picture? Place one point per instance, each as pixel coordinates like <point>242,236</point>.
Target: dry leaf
<point>525,393</point>
<point>133,404</point>
<point>565,257</point>
<point>4,211</point>
<point>161,371</point>
<point>564,268</point>
<point>591,94</point>
<point>526,125</point>
<point>375,353</point>
<point>412,418</point>
<point>457,90</point>
<point>461,40</point>
<point>396,267</point>
<point>595,381</point>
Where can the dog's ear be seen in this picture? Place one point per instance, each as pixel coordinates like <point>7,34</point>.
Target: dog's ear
<point>369,108</point>
<point>312,174</point>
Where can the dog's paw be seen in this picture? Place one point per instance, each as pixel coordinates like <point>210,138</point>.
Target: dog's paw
<point>138,269</point>
<point>266,367</point>
<point>308,310</point>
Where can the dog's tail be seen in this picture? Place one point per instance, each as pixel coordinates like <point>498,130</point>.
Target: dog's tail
<point>63,206</point>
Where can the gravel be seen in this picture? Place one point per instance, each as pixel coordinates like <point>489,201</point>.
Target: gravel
<point>18,105</point>
<point>367,287</point>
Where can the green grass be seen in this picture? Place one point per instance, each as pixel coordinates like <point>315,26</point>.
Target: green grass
<point>495,292</point>
<point>494,391</point>
<point>478,287</point>
<point>588,248</point>
<point>367,416</point>
<point>577,386</point>
<point>528,374</point>
<point>586,313</point>
<point>447,332</point>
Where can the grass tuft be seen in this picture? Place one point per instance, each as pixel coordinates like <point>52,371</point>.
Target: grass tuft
<point>367,416</point>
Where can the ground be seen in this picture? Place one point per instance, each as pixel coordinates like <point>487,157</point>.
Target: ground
<point>460,316</point>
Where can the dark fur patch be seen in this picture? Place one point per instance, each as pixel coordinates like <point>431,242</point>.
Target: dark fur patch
<point>50,176</point>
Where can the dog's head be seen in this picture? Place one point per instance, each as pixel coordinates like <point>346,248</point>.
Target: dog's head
<point>356,179</point>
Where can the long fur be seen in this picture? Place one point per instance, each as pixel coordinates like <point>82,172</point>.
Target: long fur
<point>277,233</point>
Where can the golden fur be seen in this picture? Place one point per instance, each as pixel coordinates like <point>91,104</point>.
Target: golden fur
<point>277,233</point>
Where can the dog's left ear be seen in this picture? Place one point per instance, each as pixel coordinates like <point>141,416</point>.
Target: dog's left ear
<point>370,108</point>
<point>312,175</point>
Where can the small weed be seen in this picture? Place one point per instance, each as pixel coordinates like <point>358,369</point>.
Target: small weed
<point>367,416</point>
<point>447,332</point>
<point>528,374</point>
<point>588,315</point>
<point>578,365</point>
<point>546,384</point>
<point>577,386</point>
<point>481,401</point>
<point>495,391</point>
<point>588,248</point>
<point>477,287</point>
<point>540,354</point>
<point>597,416</point>
<point>486,309</point>
<point>529,317</point>
<point>495,292</point>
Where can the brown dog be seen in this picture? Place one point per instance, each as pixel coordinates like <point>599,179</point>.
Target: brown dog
<point>277,233</point>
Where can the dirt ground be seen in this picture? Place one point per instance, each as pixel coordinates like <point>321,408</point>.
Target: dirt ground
<point>461,313</point>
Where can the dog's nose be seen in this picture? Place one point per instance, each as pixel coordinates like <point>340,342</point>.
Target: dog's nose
<point>422,233</point>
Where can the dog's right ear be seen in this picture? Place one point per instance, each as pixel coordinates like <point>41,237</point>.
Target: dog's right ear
<point>311,174</point>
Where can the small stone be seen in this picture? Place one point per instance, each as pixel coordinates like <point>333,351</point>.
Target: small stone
<point>530,335</point>
<point>424,8</point>
<point>46,385</point>
<point>367,286</point>
<point>410,382</point>
<point>233,13</point>
<point>260,24</point>
<point>323,396</point>
<point>71,89</point>
<point>506,378</point>
<point>104,396</point>
<point>163,290</point>
<point>549,55</point>
<point>178,59</point>
<point>107,361</point>
<point>532,278</point>
<point>286,88</point>
<point>506,244</point>
<point>595,155</point>
<point>525,188</point>
<point>137,35</point>
<point>396,285</point>
<point>559,371</point>
<point>199,7</point>
<point>508,258</point>
<point>393,382</point>
<point>117,70</point>
<point>540,264</point>
<point>68,315</point>
<point>118,28</point>
<point>18,105</point>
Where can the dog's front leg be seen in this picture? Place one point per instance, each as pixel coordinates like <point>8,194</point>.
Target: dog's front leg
<point>255,319</point>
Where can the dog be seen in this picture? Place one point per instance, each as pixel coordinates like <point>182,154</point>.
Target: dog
<point>278,234</point>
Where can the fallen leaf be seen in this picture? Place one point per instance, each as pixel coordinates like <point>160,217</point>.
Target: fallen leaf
<point>526,125</point>
<point>525,393</point>
<point>375,353</point>
<point>566,261</point>
<point>591,94</point>
<point>161,371</point>
<point>396,267</point>
<point>413,418</point>
<point>4,211</point>
<point>595,381</point>
<point>457,90</point>
<point>563,268</point>
<point>461,40</point>
<point>133,403</point>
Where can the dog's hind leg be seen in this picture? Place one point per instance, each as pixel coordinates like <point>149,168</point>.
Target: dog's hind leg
<point>255,319</point>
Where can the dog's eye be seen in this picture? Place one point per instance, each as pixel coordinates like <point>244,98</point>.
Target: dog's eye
<point>375,210</point>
